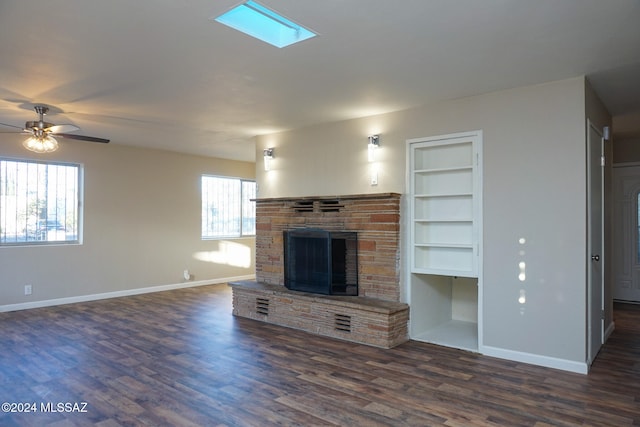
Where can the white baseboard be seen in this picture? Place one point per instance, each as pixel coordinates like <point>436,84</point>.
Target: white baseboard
<point>117,294</point>
<point>536,359</point>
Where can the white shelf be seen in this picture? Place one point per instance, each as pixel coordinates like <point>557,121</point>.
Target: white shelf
<point>444,245</point>
<point>434,259</point>
<point>455,333</point>
<point>464,220</point>
<point>449,169</point>
<point>444,272</point>
<point>453,181</point>
<point>443,195</point>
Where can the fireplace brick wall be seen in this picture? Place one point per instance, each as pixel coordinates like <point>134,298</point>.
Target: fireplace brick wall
<point>375,217</point>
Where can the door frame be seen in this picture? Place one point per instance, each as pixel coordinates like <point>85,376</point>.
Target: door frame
<point>595,336</point>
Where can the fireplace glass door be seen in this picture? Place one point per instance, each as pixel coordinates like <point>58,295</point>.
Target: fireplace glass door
<point>320,261</point>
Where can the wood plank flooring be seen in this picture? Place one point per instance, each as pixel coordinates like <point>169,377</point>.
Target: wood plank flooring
<point>179,358</point>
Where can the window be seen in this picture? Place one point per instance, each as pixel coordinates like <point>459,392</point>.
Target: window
<point>39,202</point>
<point>227,208</point>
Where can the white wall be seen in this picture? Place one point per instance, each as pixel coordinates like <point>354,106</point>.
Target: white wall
<point>141,226</point>
<point>534,188</point>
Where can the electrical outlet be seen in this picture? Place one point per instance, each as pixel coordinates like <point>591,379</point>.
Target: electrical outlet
<point>28,289</point>
<point>187,275</point>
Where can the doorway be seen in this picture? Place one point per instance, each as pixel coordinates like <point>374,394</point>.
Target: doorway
<point>595,239</point>
<point>626,233</point>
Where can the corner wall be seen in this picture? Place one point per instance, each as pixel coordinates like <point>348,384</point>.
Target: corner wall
<point>141,227</point>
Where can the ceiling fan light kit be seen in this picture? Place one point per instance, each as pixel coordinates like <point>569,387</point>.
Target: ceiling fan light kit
<point>41,144</point>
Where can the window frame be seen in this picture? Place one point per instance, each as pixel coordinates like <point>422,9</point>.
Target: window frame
<point>79,206</point>
<point>241,234</point>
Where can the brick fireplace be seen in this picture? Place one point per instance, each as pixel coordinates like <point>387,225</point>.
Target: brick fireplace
<point>376,316</point>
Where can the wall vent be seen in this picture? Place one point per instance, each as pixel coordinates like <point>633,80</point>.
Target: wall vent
<point>330,206</point>
<point>317,206</point>
<point>303,206</point>
<point>262,306</point>
<point>342,322</point>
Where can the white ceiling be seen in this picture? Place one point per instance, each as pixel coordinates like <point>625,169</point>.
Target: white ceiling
<point>160,73</point>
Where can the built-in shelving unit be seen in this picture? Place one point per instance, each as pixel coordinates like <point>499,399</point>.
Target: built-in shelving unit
<point>445,200</point>
<point>442,179</point>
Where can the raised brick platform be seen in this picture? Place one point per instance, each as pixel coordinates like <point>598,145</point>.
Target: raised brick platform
<point>358,319</point>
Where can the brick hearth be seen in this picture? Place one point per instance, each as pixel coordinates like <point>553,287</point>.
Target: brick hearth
<point>377,312</point>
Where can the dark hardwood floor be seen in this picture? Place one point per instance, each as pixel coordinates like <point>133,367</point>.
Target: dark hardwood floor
<point>180,358</point>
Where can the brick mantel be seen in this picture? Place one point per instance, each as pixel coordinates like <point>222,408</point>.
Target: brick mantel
<point>375,217</point>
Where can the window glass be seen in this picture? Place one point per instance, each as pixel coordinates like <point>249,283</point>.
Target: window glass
<point>227,208</point>
<point>248,208</point>
<point>39,202</point>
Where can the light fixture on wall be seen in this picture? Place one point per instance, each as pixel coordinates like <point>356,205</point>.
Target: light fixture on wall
<point>41,143</point>
<point>372,146</point>
<point>268,156</point>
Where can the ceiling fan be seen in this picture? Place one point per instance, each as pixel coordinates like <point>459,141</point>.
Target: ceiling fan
<point>41,139</point>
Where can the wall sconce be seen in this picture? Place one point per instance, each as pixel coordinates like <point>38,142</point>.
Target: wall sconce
<point>268,156</point>
<point>372,146</point>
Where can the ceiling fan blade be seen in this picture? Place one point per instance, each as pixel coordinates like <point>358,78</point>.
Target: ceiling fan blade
<point>57,129</point>
<point>12,126</point>
<point>82,137</point>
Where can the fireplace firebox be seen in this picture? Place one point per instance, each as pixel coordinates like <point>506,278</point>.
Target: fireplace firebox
<point>321,261</point>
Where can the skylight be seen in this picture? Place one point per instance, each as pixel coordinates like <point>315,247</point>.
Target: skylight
<point>257,21</point>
